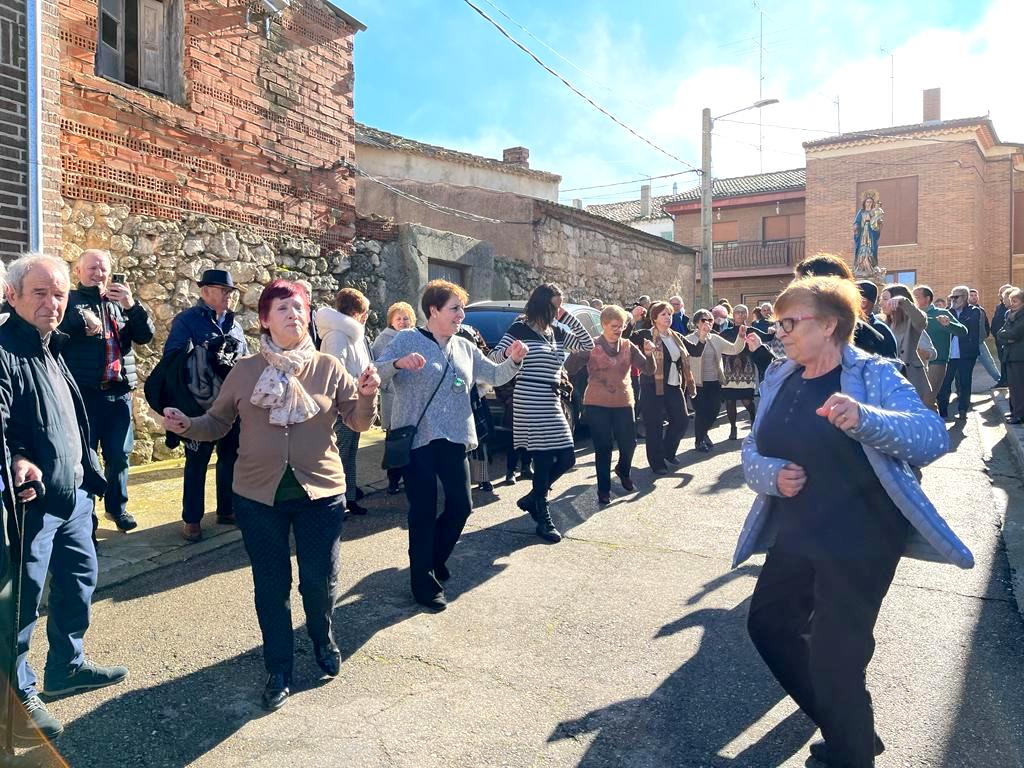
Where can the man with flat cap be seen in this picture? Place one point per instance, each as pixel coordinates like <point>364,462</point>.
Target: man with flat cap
<point>868,298</point>
<point>216,342</point>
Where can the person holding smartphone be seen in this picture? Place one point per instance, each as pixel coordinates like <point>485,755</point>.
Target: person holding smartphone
<point>102,322</point>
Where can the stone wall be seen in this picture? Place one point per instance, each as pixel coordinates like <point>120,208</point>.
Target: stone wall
<point>163,261</point>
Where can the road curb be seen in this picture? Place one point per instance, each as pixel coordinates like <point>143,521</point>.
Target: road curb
<point>1013,524</point>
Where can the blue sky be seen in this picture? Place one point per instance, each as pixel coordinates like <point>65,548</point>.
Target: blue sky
<point>435,71</point>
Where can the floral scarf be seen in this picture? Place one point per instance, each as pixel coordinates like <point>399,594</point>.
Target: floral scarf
<point>278,388</point>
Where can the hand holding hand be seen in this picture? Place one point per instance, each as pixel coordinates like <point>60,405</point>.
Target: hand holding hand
<point>842,412</point>
<point>517,350</point>
<point>639,312</point>
<point>753,341</point>
<point>175,421</point>
<point>414,361</point>
<point>24,471</point>
<point>93,324</point>
<point>943,320</point>
<point>791,480</point>
<point>649,347</point>
<point>369,381</point>
<point>120,293</point>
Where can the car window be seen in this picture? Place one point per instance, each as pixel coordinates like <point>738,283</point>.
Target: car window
<point>590,319</point>
<point>492,323</point>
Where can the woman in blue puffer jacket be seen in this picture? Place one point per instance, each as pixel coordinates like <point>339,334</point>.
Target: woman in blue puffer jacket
<point>832,455</point>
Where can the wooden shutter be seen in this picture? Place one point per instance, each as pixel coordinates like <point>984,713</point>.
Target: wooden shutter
<point>1018,222</point>
<point>110,48</point>
<point>724,231</point>
<point>899,201</point>
<point>775,228</point>
<point>796,225</point>
<point>152,60</point>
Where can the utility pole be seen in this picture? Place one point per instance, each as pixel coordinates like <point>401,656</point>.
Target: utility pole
<point>706,256</point>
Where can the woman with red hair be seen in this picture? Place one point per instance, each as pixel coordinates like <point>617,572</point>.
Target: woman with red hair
<point>288,476</point>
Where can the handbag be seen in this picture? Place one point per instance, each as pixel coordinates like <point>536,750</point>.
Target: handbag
<point>398,441</point>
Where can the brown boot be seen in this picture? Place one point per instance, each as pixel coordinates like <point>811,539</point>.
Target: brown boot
<point>191,532</point>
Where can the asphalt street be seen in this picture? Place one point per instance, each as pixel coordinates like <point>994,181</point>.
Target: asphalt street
<point>624,645</point>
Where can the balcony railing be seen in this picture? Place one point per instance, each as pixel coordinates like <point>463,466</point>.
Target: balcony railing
<point>757,254</point>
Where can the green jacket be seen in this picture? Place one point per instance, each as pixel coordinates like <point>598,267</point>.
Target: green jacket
<point>940,334</point>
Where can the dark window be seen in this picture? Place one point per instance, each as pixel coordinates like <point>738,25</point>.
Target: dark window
<point>444,270</point>
<point>9,43</point>
<point>1018,222</point>
<point>492,323</point>
<point>140,43</point>
<point>899,201</point>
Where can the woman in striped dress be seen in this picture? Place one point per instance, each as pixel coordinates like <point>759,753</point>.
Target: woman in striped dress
<point>538,423</point>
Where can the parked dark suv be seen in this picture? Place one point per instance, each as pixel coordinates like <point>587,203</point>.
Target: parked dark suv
<point>493,318</point>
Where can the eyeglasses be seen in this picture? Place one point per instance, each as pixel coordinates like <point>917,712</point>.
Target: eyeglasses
<point>705,320</point>
<point>787,324</point>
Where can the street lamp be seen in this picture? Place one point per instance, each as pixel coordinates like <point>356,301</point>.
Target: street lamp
<point>706,255</point>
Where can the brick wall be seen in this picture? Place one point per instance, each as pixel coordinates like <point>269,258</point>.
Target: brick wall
<point>258,136</point>
<point>50,54</point>
<point>963,211</point>
<point>14,131</point>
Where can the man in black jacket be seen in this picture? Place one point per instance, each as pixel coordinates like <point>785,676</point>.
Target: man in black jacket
<point>47,434</point>
<point>102,322</point>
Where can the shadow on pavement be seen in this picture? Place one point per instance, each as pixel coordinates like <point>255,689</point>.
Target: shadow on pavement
<point>714,697</point>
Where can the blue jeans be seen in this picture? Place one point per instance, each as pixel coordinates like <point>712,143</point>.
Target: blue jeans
<point>64,548</point>
<point>110,428</point>
<point>988,363</point>
<point>962,369</point>
<point>317,528</point>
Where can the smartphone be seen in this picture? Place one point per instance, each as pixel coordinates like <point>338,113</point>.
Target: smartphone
<point>118,277</point>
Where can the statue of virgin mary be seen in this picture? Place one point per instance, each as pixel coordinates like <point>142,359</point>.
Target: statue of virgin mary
<point>867,228</point>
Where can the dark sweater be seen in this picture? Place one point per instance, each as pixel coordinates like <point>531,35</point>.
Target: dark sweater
<point>842,511</point>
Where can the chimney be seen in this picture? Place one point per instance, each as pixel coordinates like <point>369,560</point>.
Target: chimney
<point>645,200</point>
<point>577,203</point>
<point>517,156</point>
<point>933,105</point>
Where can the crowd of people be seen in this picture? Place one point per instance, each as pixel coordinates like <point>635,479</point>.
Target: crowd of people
<point>821,374</point>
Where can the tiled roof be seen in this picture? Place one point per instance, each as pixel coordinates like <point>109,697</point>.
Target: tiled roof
<point>777,181</point>
<point>355,23</point>
<point>375,137</point>
<point>936,126</point>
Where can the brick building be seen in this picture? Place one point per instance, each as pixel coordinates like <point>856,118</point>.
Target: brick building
<point>179,107</point>
<point>952,191</point>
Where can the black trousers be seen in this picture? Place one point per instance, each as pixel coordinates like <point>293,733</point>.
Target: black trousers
<point>193,501</point>
<point>1015,382</point>
<point>431,537</point>
<point>608,427</point>
<point>812,621</point>
<point>731,410</point>
<point>662,441</point>
<point>548,466</point>
<point>110,430</point>
<point>707,405</point>
<point>317,528</point>
<point>962,369</point>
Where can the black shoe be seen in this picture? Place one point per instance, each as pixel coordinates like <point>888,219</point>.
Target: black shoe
<point>228,519</point>
<point>510,478</point>
<point>962,416</point>
<point>87,677</point>
<point>708,443</point>
<point>704,447</point>
<point>435,603</point>
<point>624,480</point>
<point>1015,421</point>
<point>527,505</point>
<point>660,471</point>
<point>441,573</point>
<point>359,493</point>
<point>125,521</point>
<point>604,498</point>
<point>275,693</point>
<point>328,658</point>
<point>545,528</point>
<point>485,487</point>
<point>33,723</point>
<point>821,752</point>
<point>672,460</point>
<point>733,435</point>
<point>394,489</point>
<point>356,508</point>
<point>526,475</point>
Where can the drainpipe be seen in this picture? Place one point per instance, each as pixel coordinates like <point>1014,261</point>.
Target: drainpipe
<point>35,125</point>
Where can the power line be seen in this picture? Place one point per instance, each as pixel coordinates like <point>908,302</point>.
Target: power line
<point>576,90</point>
<point>623,183</point>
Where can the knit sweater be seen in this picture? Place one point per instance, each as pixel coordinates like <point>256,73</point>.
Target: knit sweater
<point>608,366</point>
<point>449,415</point>
<point>308,447</point>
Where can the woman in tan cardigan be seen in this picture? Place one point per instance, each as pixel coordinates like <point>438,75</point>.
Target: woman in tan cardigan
<point>706,350</point>
<point>908,323</point>
<point>288,475</point>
